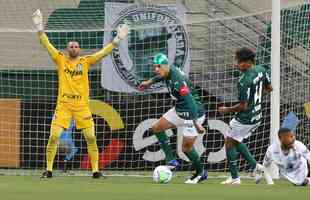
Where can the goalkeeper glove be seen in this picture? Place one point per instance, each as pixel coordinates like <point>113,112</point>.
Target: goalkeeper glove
<point>122,32</point>
<point>37,19</point>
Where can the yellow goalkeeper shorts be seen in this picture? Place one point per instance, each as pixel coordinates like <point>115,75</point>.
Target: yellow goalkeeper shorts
<point>65,112</point>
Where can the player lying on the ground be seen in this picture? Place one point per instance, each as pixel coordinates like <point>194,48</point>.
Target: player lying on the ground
<point>290,156</point>
<point>73,93</point>
<point>253,82</point>
<point>66,144</point>
<point>188,113</point>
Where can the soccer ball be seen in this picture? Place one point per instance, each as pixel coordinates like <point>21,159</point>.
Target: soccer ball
<point>162,174</point>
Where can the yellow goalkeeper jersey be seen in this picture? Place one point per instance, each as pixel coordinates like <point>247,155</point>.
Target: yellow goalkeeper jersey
<point>73,83</point>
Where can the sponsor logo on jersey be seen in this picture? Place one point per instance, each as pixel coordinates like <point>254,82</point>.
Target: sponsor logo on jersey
<point>72,96</point>
<point>78,71</point>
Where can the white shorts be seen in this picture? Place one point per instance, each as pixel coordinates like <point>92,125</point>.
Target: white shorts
<point>239,131</point>
<point>189,129</point>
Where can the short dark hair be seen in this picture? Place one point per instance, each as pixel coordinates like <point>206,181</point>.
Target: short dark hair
<point>284,130</point>
<point>245,54</point>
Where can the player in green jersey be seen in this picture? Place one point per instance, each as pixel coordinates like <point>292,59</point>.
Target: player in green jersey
<point>253,82</point>
<point>188,113</point>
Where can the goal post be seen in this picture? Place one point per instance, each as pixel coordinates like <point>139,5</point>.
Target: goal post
<point>275,70</point>
<point>275,77</point>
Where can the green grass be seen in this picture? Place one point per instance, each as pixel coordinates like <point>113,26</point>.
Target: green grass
<point>136,188</point>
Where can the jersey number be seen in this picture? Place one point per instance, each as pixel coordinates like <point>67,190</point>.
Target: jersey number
<point>258,89</point>
<point>258,95</point>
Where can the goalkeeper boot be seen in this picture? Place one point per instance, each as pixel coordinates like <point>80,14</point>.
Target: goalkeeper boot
<point>258,172</point>
<point>232,181</point>
<point>174,164</point>
<point>47,174</point>
<point>197,178</point>
<point>97,175</point>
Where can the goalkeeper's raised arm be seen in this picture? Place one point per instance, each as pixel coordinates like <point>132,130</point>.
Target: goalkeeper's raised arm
<point>73,47</point>
<point>37,19</point>
<point>122,32</point>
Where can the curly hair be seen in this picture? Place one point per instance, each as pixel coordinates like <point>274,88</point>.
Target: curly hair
<point>245,54</point>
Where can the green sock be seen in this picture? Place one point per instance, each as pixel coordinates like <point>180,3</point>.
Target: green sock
<point>194,157</point>
<point>243,149</point>
<point>164,144</point>
<point>231,154</point>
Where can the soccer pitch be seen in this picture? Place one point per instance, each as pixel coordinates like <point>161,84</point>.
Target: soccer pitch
<point>136,188</point>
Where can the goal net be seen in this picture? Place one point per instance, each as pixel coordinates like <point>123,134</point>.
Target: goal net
<point>199,36</point>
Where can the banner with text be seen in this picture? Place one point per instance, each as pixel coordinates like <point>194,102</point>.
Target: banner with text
<point>154,29</point>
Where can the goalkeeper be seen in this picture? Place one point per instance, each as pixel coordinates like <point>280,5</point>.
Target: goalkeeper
<point>73,92</point>
<point>188,113</point>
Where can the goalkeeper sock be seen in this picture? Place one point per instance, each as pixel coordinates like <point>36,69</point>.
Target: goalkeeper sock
<point>89,134</point>
<point>194,157</point>
<point>231,155</point>
<point>243,149</point>
<point>164,144</point>
<point>51,147</point>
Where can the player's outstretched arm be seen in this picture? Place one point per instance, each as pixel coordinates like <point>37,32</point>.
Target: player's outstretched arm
<point>241,106</point>
<point>145,84</point>
<point>122,32</point>
<point>243,100</point>
<point>37,19</point>
<point>267,176</point>
<point>267,166</point>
